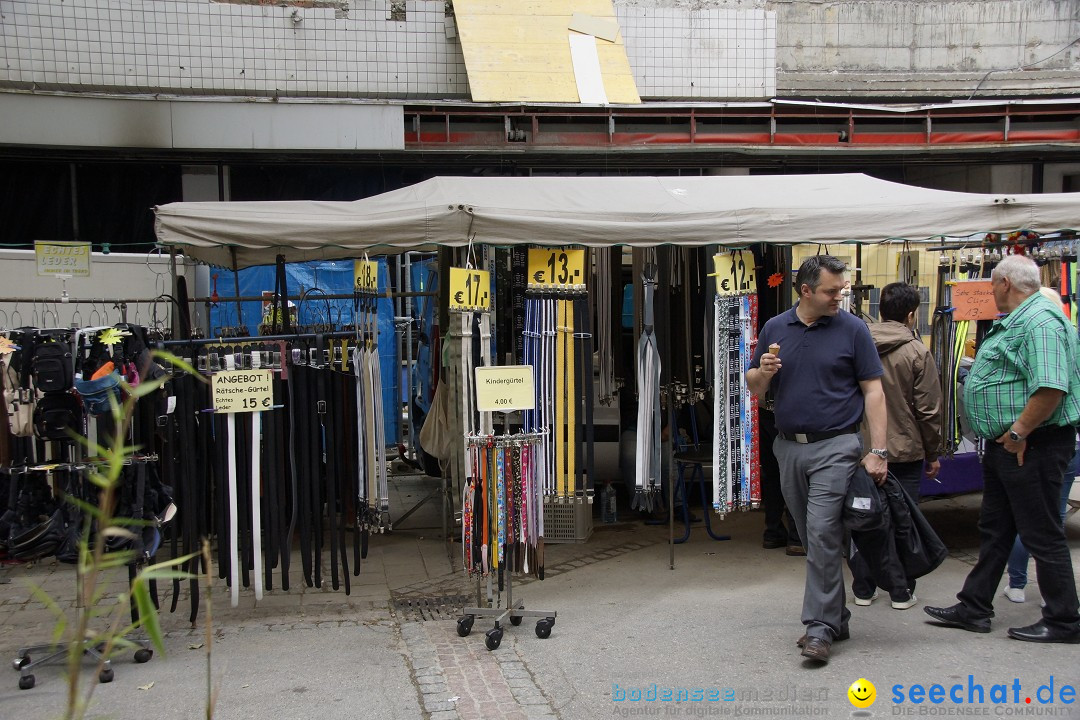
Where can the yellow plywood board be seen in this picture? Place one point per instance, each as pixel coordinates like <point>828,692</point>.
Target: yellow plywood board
<point>601,28</point>
<point>519,50</point>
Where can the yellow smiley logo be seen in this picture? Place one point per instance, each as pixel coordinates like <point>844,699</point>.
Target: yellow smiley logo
<point>862,693</point>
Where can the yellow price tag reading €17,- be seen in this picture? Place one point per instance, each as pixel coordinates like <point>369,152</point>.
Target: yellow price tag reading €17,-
<point>470,289</point>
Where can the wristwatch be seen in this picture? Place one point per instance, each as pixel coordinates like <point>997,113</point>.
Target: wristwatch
<point>1015,436</point>
<point>880,452</point>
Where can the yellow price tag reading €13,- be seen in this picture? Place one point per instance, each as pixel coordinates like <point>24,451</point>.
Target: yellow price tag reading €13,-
<point>556,268</point>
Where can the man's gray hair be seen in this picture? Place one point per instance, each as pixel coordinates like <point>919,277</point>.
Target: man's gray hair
<point>1021,271</point>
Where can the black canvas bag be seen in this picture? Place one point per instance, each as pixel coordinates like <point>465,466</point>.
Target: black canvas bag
<point>52,367</point>
<point>57,416</point>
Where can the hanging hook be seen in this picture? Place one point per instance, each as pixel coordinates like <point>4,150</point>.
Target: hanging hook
<point>15,312</point>
<point>104,313</point>
<point>34,319</point>
<point>4,325</point>
<point>76,314</point>
<point>46,312</point>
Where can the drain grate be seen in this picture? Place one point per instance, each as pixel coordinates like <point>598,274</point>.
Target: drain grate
<point>431,607</point>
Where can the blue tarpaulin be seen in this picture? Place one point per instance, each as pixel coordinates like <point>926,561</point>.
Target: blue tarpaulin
<point>311,281</point>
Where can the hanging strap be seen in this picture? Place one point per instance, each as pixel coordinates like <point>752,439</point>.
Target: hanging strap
<point>280,320</point>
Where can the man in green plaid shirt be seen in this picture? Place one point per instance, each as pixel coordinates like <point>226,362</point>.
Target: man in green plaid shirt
<point>1023,397</point>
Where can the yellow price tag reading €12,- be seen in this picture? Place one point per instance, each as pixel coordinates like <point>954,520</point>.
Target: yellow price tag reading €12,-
<point>735,273</point>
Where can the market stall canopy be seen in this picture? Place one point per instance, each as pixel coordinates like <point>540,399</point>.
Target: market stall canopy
<point>601,211</point>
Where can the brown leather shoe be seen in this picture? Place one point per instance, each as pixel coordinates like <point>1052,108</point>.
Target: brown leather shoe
<point>795,551</point>
<point>845,633</point>
<point>817,649</point>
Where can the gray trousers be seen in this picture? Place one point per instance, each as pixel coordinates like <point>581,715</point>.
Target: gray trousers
<point>814,478</point>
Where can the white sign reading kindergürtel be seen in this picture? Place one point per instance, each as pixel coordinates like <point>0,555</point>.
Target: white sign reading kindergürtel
<point>237,391</point>
<point>62,258</point>
<point>504,388</point>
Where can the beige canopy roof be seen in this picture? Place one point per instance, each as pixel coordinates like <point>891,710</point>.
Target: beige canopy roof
<point>601,211</point>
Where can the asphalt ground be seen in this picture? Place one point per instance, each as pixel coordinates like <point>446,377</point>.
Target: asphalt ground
<point>712,637</point>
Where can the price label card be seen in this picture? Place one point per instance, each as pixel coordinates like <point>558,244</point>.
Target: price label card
<point>62,258</point>
<point>238,391</point>
<point>470,289</point>
<point>366,276</point>
<point>556,268</point>
<point>505,388</point>
<point>735,273</point>
<point>973,300</point>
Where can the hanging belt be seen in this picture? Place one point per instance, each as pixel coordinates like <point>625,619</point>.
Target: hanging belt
<point>570,368</point>
<point>303,449</point>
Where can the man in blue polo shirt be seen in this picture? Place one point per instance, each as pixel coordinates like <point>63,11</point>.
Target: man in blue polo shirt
<point>830,375</point>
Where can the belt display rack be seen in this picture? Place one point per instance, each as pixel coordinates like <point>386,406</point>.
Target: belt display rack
<point>736,467</point>
<point>503,527</point>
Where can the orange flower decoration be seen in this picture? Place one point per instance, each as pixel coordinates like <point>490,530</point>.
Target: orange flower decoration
<point>776,280</point>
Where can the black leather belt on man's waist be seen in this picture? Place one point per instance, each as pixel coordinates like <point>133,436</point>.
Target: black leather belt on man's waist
<point>817,437</point>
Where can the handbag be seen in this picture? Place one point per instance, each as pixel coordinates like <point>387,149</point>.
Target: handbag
<point>920,549</point>
<point>863,510</point>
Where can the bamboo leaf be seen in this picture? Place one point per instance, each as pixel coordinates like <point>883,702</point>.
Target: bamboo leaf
<point>117,531</point>
<point>148,616</point>
<point>179,363</point>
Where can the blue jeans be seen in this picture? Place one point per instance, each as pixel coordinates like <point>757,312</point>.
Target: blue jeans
<point>1018,558</point>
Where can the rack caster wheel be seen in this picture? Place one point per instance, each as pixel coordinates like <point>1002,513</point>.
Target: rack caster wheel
<point>493,638</point>
<point>143,655</point>
<point>26,682</point>
<point>20,662</point>
<point>464,625</point>
<point>105,676</point>
<point>515,620</point>
<point>543,628</point>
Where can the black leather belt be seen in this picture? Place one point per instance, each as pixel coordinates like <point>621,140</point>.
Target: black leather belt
<point>805,438</point>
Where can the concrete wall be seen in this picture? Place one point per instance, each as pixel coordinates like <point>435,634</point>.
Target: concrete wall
<point>199,47</point>
<point>117,276</point>
<point>925,48</point>
<point>714,49</point>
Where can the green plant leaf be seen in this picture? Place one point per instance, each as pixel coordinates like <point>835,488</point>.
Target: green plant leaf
<point>148,616</point>
<point>177,362</point>
<point>144,388</point>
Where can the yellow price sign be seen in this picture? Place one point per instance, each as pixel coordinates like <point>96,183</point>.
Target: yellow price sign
<point>470,289</point>
<point>237,391</point>
<point>366,276</point>
<point>504,388</point>
<point>556,268</point>
<point>62,258</point>
<point>735,274</point>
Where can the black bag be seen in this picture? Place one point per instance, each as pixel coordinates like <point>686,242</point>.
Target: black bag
<point>52,368</point>
<point>918,546</point>
<point>863,510</point>
<point>57,416</point>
